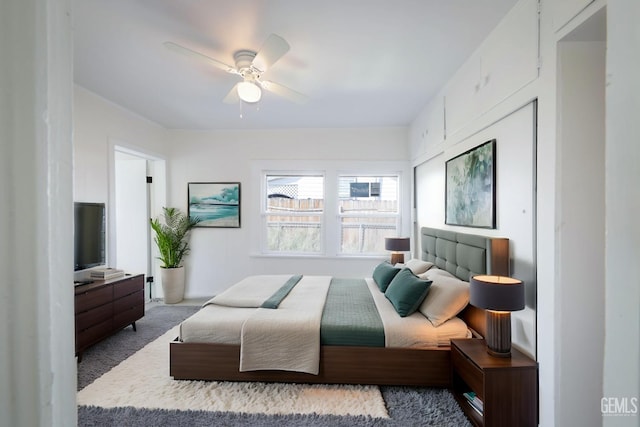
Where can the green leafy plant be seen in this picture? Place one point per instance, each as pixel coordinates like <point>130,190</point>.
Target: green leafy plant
<point>172,236</point>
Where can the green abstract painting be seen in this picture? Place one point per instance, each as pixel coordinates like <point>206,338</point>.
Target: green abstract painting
<point>470,187</point>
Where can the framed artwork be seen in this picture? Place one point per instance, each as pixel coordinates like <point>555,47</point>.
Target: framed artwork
<point>217,204</point>
<point>470,187</point>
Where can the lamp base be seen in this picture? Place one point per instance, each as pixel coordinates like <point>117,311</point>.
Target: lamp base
<point>499,333</point>
<point>397,258</point>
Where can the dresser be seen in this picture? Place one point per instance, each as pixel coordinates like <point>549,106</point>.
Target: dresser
<point>106,306</point>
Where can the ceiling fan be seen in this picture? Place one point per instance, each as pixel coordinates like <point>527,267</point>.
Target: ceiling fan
<point>250,66</point>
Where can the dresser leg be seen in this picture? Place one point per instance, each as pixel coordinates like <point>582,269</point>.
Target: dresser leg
<point>134,326</point>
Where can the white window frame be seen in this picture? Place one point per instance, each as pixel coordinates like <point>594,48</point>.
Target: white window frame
<point>340,216</point>
<point>264,214</point>
<point>330,169</point>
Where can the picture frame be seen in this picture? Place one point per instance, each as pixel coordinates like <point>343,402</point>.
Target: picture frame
<point>470,187</point>
<point>217,204</point>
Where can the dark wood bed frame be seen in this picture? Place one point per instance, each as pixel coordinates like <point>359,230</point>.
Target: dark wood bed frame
<point>461,254</point>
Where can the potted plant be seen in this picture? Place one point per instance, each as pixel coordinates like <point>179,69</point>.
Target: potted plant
<point>172,239</point>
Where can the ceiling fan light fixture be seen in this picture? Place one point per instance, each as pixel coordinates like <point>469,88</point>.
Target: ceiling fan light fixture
<point>249,92</point>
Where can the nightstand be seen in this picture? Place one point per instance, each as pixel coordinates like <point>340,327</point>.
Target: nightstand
<point>508,387</point>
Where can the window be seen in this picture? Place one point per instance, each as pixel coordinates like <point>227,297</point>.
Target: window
<point>368,212</point>
<point>293,213</point>
<point>328,208</point>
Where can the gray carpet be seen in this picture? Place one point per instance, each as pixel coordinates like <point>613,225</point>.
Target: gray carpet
<point>406,406</point>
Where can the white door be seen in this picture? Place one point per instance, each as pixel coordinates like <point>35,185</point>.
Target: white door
<point>132,216</point>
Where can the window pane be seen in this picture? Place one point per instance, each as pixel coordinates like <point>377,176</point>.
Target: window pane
<point>294,207</point>
<point>294,234</point>
<point>369,212</point>
<point>295,193</point>
<point>366,234</point>
<point>373,193</point>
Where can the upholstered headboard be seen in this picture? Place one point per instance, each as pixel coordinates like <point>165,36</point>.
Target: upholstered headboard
<point>465,255</point>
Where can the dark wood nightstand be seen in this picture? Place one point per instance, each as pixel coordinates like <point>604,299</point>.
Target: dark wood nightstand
<point>508,387</point>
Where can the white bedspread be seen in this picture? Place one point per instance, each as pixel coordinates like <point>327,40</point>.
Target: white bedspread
<point>251,291</point>
<point>287,338</point>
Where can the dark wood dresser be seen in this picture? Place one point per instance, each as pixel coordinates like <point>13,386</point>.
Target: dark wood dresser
<point>106,306</point>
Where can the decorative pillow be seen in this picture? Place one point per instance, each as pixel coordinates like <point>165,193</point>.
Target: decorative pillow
<point>383,274</point>
<point>436,272</point>
<point>447,297</point>
<point>418,266</point>
<point>406,292</point>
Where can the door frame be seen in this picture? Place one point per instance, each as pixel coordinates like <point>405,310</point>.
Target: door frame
<point>157,198</point>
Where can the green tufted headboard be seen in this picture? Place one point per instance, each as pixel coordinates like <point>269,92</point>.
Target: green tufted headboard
<point>465,255</point>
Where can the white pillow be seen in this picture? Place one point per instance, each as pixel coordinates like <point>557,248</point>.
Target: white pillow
<point>447,297</point>
<point>418,266</point>
<point>435,272</point>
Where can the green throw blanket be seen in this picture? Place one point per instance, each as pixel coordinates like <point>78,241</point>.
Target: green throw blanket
<point>350,316</point>
<point>275,299</point>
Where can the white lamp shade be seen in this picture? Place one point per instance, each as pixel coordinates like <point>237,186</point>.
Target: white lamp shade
<point>249,92</point>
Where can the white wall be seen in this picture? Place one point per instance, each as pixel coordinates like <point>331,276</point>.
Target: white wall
<point>515,210</point>
<point>97,122</point>
<point>99,126</point>
<point>220,257</point>
<point>622,295</point>
<point>37,363</point>
<point>581,226</point>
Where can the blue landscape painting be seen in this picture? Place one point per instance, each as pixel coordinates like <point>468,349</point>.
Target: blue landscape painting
<point>216,204</point>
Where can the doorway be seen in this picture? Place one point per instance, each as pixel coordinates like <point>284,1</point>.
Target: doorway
<point>139,189</point>
<point>581,80</point>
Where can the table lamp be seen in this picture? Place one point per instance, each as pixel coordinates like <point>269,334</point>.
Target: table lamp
<point>397,245</point>
<point>499,295</point>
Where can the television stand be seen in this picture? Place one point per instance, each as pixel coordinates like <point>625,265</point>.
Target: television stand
<point>103,307</point>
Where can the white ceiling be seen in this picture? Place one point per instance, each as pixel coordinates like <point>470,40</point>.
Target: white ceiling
<point>363,63</point>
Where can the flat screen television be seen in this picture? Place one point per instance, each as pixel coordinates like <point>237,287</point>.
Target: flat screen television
<point>89,235</point>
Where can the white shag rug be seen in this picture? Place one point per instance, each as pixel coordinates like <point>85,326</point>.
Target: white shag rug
<point>143,381</point>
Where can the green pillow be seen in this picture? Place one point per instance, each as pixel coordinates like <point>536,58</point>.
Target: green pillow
<point>383,274</point>
<point>406,292</point>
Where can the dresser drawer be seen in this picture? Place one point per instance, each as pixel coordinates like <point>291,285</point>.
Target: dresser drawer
<point>93,334</point>
<point>93,298</point>
<point>126,317</point>
<point>131,300</point>
<point>128,286</point>
<point>468,371</point>
<point>89,318</point>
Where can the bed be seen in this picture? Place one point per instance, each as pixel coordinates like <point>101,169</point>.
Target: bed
<point>427,364</point>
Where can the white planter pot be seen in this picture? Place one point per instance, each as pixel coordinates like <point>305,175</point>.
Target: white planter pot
<point>172,284</point>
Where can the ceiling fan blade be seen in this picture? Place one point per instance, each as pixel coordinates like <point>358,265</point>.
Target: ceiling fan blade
<point>232,97</point>
<point>284,91</point>
<point>272,50</point>
<point>192,53</point>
